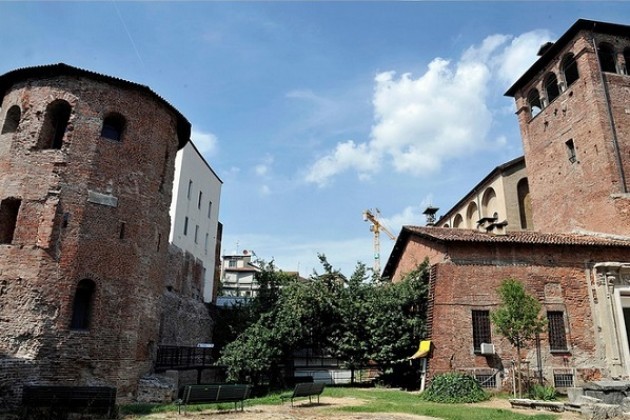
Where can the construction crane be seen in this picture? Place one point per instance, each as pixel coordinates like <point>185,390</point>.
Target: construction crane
<point>376,226</point>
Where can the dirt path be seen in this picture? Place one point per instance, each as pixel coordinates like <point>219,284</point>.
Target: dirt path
<point>306,411</point>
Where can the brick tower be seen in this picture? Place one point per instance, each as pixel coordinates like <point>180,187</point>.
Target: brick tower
<point>573,107</point>
<point>86,171</point>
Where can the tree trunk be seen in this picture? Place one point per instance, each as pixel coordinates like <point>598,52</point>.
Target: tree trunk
<point>518,369</point>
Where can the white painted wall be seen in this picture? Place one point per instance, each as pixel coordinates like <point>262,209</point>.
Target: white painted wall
<point>192,176</point>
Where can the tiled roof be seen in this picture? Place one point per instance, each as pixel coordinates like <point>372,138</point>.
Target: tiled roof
<point>62,69</point>
<point>520,237</point>
<point>472,237</point>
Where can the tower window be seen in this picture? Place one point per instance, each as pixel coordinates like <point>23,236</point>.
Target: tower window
<point>533,99</point>
<point>209,209</point>
<point>113,126</point>
<point>571,151</point>
<point>606,55</point>
<point>199,200</point>
<point>196,233</point>
<point>570,69</point>
<point>9,209</point>
<point>82,305</point>
<point>186,225</point>
<point>55,124</point>
<point>190,185</point>
<point>551,86</point>
<point>12,120</point>
<point>626,56</point>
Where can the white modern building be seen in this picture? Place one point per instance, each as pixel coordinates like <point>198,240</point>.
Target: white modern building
<point>195,212</point>
<point>238,275</point>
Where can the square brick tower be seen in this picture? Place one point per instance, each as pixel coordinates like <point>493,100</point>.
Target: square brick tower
<point>573,107</point>
<point>86,173</point>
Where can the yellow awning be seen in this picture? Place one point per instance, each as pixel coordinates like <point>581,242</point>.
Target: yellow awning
<point>423,350</point>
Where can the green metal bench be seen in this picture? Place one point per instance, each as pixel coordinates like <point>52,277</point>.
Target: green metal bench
<point>69,399</point>
<point>303,390</point>
<point>216,393</point>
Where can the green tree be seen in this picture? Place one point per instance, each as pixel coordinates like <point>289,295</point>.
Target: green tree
<point>517,318</point>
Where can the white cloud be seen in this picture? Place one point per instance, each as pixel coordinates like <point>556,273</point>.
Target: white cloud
<point>206,142</point>
<point>422,122</point>
<point>264,167</point>
<point>265,190</point>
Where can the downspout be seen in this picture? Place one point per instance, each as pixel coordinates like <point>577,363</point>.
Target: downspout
<point>611,120</point>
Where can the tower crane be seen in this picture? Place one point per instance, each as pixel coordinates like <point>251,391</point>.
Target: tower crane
<point>376,226</point>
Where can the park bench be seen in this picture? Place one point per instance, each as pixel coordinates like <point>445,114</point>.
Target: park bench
<point>214,393</point>
<point>303,390</point>
<point>60,400</point>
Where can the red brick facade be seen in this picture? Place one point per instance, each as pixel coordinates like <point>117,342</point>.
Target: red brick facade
<point>91,208</point>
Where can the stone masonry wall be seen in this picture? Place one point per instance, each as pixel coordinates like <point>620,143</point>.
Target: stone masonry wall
<point>94,209</point>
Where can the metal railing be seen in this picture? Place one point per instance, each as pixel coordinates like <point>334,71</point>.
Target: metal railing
<point>178,357</point>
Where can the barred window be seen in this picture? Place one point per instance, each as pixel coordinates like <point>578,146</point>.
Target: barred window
<point>563,378</point>
<point>488,381</point>
<point>481,329</point>
<point>557,335</point>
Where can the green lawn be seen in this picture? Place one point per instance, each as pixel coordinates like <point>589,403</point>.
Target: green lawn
<point>378,401</point>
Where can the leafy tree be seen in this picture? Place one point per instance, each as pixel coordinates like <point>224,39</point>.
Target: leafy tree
<point>517,318</point>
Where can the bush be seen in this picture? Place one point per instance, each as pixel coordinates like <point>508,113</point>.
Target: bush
<point>540,392</point>
<point>454,387</point>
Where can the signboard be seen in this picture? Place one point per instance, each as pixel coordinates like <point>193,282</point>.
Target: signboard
<point>206,345</point>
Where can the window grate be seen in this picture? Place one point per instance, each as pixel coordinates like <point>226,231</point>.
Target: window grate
<point>481,329</point>
<point>557,336</point>
<point>486,381</point>
<point>563,380</point>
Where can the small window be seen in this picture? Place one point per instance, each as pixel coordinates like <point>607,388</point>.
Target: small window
<point>82,305</point>
<point>557,335</point>
<point>113,126</point>
<point>12,120</point>
<point>570,69</point>
<point>196,233</point>
<point>9,209</point>
<point>626,56</point>
<point>607,60</point>
<point>209,209</point>
<point>481,329</point>
<point>121,234</point>
<point>186,225</point>
<point>486,380</point>
<point>190,185</point>
<point>232,263</point>
<point>533,99</point>
<point>199,200</point>
<point>551,87</point>
<point>55,124</point>
<point>205,244</point>
<point>571,151</point>
<point>563,378</point>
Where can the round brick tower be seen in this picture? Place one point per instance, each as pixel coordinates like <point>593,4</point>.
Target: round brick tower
<point>86,171</point>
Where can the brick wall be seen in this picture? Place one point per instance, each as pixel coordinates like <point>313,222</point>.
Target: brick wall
<point>468,280</point>
<point>64,235</point>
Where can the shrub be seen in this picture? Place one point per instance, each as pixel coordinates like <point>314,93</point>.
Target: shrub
<point>541,392</point>
<point>454,387</point>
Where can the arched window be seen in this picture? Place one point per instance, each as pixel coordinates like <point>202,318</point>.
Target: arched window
<point>570,69</point>
<point>458,221</point>
<point>82,305</point>
<point>626,56</point>
<point>607,60</point>
<point>113,126</point>
<point>489,203</point>
<point>533,99</point>
<point>524,204</point>
<point>12,120</point>
<point>472,216</point>
<point>551,87</point>
<point>55,123</point>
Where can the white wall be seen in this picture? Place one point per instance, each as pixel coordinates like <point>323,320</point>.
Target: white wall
<point>191,166</point>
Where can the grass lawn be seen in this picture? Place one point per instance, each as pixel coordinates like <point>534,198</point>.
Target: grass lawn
<point>378,401</point>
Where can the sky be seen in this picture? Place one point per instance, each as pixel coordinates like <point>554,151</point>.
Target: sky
<point>312,112</point>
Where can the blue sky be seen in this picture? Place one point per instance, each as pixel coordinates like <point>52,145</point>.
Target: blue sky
<point>312,112</point>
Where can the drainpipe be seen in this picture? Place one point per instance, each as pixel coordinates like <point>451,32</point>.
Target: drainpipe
<point>602,77</point>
